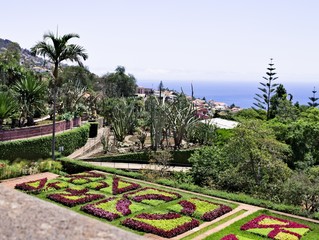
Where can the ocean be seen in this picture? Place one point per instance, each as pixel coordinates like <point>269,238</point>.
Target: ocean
<point>240,93</point>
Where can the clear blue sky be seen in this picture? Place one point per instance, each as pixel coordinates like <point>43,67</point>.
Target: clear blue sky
<point>215,40</point>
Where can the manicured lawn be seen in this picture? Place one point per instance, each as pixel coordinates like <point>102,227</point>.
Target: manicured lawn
<point>141,208</point>
<point>251,228</point>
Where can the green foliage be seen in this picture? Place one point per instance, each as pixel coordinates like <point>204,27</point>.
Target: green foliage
<point>36,148</point>
<point>207,163</point>
<point>249,114</point>
<point>119,84</point>
<point>8,106</point>
<point>179,157</point>
<point>24,167</point>
<point>201,133</point>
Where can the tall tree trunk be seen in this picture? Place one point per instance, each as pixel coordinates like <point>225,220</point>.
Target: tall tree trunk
<point>53,125</point>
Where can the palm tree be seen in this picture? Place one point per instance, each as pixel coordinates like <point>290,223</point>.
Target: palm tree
<point>57,50</point>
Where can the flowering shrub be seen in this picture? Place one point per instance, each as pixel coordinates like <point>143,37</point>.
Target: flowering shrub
<point>200,208</point>
<point>163,224</point>
<point>152,196</point>
<point>275,228</point>
<point>112,208</point>
<point>70,200</point>
<point>235,237</point>
<point>118,186</point>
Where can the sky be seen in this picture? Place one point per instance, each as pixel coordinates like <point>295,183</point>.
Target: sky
<point>179,40</point>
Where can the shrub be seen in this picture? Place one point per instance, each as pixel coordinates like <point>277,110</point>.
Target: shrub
<point>40,147</point>
<point>179,157</point>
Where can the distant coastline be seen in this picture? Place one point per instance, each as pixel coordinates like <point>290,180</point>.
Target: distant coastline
<point>240,93</point>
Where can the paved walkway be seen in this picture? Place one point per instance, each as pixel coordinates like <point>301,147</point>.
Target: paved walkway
<point>92,146</point>
<point>135,166</point>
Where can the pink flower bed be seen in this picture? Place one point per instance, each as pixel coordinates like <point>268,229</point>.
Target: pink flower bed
<point>71,200</point>
<point>117,190</point>
<point>115,209</point>
<point>200,208</point>
<point>152,223</point>
<point>32,186</point>
<point>152,194</point>
<point>275,228</point>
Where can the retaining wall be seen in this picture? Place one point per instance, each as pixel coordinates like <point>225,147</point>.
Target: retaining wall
<point>26,132</point>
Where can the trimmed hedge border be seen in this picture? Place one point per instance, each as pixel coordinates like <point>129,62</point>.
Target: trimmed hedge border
<point>78,166</point>
<point>36,148</point>
<point>180,158</point>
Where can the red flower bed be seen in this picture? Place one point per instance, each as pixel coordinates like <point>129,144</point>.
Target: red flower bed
<point>74,191</point>
<point>176,228</point>
<point>71,200</point>
<point>121,208</point>
<point>117,190</point>
<point>146,194</point>
<point>32,186</point>
<point>230,237</point>
<point>209,216</point>
<point>273,227</point>
<point>200,208</point>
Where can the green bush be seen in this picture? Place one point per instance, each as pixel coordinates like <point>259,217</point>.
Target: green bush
<point>40,147</point>
<point>75,166</point>
<point>179,157</point>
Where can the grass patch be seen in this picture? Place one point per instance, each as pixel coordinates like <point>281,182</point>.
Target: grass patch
<point>205,229</point>
<point>235,227</point>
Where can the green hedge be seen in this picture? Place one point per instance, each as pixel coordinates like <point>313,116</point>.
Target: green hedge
<point>36,148</point>
<point>180,158</point>
<point>74,166</point>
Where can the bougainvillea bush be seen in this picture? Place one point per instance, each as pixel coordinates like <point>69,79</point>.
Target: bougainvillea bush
<point>235,237</point>
<point>118,186</point>
<point>71,198</point>
<point>40,185</point>
<point>200,208</point>
<point>112,208</point>
<point>163,224</point>
<point>152,196</point>
<point>275,228</point>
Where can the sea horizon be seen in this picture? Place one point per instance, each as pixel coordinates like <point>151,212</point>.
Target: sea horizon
<point>240,93</point>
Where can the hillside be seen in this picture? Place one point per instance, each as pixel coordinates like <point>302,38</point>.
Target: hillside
<point>38,64</point>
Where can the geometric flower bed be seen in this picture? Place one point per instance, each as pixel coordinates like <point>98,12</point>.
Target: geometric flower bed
<point>200,208</point>
<point>39,185</point>
<point>71,198</point>
<point>152,196</point>
<point>163,224</point>
<point>117,186</point>
<point>275,228</point>
<point>112,208</point>
<point>82,178</point>
<point>235,237</point>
